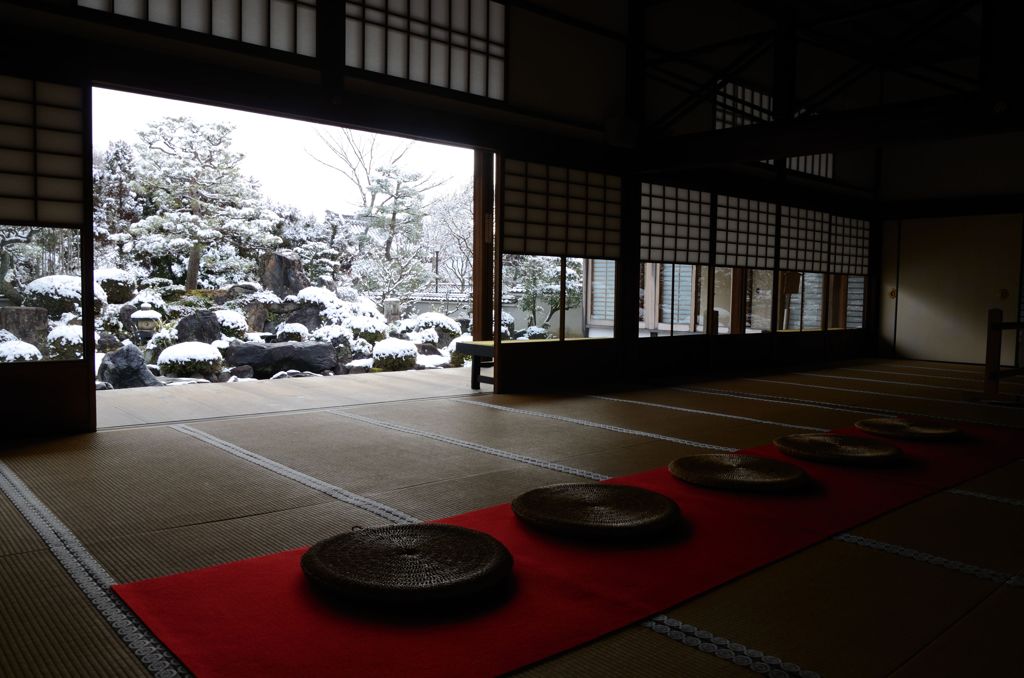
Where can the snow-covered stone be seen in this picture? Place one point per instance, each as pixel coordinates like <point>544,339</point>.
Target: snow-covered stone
<point>126,368</point>
<point>201,326</point>
<point>27,324</point>
<point>268,359</point>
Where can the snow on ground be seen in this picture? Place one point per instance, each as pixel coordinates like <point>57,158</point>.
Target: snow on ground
<point>431,361</point>
<point>362,362</point>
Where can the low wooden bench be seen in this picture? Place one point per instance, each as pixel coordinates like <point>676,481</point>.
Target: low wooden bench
<point>481,354</point>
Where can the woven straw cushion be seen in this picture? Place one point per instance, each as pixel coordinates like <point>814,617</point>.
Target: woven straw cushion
<point>598,511</point>
<point>834,449</point>
<point>738,472</point>
<point>408,563</point>
<point>902,428</point>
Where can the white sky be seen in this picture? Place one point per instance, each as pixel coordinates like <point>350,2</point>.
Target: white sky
<point>277,150</point>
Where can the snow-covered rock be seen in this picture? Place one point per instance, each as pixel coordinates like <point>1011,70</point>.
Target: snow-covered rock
<point>268,359</point>
<point>18,352</point>
<point>126,368</point>
<point>201,326</point>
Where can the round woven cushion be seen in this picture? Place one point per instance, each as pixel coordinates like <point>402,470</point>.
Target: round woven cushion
<point>408,563</point>
<point>834,449</point>
<point>902,428</point>
<point>738,472</point>
<point>597,511</point>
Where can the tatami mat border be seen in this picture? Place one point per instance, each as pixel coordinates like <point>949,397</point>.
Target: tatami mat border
<point>90,577</point>
<point>925,557</point>
<point>711,413</point>
<point>376,508</point>
<point>989,497</point>
<point>606,427</point>
<point>725,649</point>
<point>493,451</point>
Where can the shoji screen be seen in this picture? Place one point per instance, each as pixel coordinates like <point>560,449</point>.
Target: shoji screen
<point>745,233</point>
<point>456,44</point>
<point>804,240</point>
<point>675,225</point>
<point>848,252</point>
<point>41,127</point>
<point>287,25</point>
<point>560,211</point>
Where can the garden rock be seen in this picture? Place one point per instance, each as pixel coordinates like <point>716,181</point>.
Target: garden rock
<point>125,316</point>
<point>281,272</point>
<point>27,323</point>
<point>242,371</point>
<point>107,342</point>
<point>305,315</point>
<point>126,368</point>
<point>266,360</point>
<point>201,326</point>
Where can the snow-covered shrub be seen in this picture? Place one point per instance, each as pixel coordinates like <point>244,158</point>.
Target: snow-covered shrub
<point>165,288</point>
<point>366,327</point>
<point>65,342</point>
<point>232,323</point>
<point>60,294</point>
<point>6,336</point>
<point>458,359</point>
<point>109,320</point>
<point>292,332</point>
<point>151,297</point>
<point>403,326</point>
<point>393,355</point>
<point>315,296</point>
<point>446,328</point>
<point>427,336</point>
<point>535,332</point>
<point>339,337</point>
<point>118,284</point>
<point>160,340</point>
<point>189,359</point>
<point>18,352</point>
<point>361,348</point>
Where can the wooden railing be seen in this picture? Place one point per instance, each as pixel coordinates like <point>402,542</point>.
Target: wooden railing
<point>993,352</point>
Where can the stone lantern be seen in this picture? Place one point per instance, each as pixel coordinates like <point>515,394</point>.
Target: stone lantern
<point>147,321</point>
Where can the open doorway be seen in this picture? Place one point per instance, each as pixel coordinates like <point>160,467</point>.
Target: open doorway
<point>236,247</point>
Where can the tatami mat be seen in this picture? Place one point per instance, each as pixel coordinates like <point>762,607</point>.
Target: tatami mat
<point>440,499</point>
<point>985,642</point>
<point>358,457</point>
<point>155,554</point>
<point>48,628</point>
<point>124,482</point>
<point>151,500</point>
<point>973,530</point>
<point>635,652</point>
<point>838,609</point>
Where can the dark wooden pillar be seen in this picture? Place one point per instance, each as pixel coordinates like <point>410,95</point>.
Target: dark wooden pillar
<point>483,244</point>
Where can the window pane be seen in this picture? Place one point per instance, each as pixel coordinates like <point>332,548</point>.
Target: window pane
<point>790,300</point>
<point>724,299</point>
<point>812,306</point>
<point>855,302</point>
<point>41,294</point>
<point>759,301</point>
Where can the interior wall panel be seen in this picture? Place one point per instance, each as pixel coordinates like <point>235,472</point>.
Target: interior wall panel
<point>951,272</point>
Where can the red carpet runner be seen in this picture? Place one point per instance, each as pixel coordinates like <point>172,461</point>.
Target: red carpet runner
<point>257,618</point>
